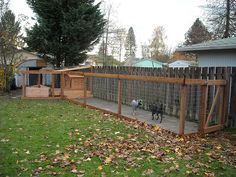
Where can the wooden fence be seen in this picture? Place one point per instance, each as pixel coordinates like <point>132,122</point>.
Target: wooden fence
<point>216,107</point>
<point>171,91</point>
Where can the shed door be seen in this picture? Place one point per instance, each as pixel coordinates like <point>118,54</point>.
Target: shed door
<point>33,78</point>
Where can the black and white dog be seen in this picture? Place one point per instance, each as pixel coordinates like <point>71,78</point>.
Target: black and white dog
<point>135,104</point>
<point>158,110</point>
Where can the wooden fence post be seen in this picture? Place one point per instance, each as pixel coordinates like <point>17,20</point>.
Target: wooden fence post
<point>232,113</point>
<point>221,107</point>
<point>203,108</point>
<point>183,101</point>
<point>62,84</point>
<point>119,96</point>
<point>85,91</point>
<point>23,86</point>
<point>27,80</point>
<point>227,72</point>
<point>39,78</point>
<point>53,84</point>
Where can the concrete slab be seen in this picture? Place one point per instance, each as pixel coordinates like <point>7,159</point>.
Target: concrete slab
<point>168,123</point>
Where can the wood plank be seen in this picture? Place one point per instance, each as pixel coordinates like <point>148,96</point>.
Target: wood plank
<point>227,89</point>
<point>27,80</point>
<point>195,82</point>
<point>85,91</point>
<point>153,79</point>
<point>212,129</point>
<point>216,82</point>
<point>53,84</point>
<point>62,84</point>
<point>203,108</point>
<point>41,72</point>
<point>23,86</point>
<point>221,107</point>
<point>102,75</point>
<point>232,113</point>
<point>219,90</point>
<point>41,98</point>
<point>135,77</point>
<point>119,96</point>
<point>183,104</point>
<point>39,79</point>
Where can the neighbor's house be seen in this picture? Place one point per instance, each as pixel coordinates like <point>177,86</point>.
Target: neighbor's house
<point>181,64</point>
<point>144,62</point>
<point>31,61</point>
<point>215,53</point>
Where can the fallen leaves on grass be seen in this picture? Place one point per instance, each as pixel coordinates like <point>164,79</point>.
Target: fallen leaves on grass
<point>134,148</point>
<point>148,172</point>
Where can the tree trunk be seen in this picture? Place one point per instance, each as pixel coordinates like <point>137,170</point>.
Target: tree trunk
<point>7,76</point>
<point>226,33</point>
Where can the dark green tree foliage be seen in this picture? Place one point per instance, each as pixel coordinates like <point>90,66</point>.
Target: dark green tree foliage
<point>65,29</point>
<point>221,17</point>
<point>197,33</point>
<point>130,44</point>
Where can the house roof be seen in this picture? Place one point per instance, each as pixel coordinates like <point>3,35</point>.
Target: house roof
<point>131,61</point>
<point>181,63</point>
<point>220,44</point>
<point>149,60</point>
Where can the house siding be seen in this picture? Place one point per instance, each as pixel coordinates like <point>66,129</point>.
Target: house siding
<point>25,66</point>
<point>221,58</point>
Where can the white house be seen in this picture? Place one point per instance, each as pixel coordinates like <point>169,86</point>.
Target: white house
<point>215,53</point>
<point>30,61</point>
<point>180,64</point>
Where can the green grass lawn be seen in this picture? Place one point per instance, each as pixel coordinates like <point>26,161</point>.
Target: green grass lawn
<point>57,138</point>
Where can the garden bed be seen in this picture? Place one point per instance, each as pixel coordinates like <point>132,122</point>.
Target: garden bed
<point>36,91</point>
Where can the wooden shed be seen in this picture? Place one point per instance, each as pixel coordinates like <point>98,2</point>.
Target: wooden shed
<point>74,82</point>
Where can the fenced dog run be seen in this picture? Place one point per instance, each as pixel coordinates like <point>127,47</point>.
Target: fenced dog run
<point>194,99</point>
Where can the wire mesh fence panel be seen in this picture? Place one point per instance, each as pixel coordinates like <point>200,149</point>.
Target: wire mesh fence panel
<point>193,103</point>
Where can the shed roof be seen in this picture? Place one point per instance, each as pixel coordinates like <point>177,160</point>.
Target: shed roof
<point>220,44</point>
<point>152,62</point>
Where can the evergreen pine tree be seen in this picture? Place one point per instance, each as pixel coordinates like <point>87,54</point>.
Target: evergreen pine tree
<point>130,44</point>
<point>197,33</point>
<point>65,29</point>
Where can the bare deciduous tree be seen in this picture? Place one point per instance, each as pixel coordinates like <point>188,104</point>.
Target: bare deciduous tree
<point>10,39</point>
<point>221,17</point>
<point>158,48</point>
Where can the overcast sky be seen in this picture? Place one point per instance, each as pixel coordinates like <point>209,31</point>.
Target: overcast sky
<point>176,16</point>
